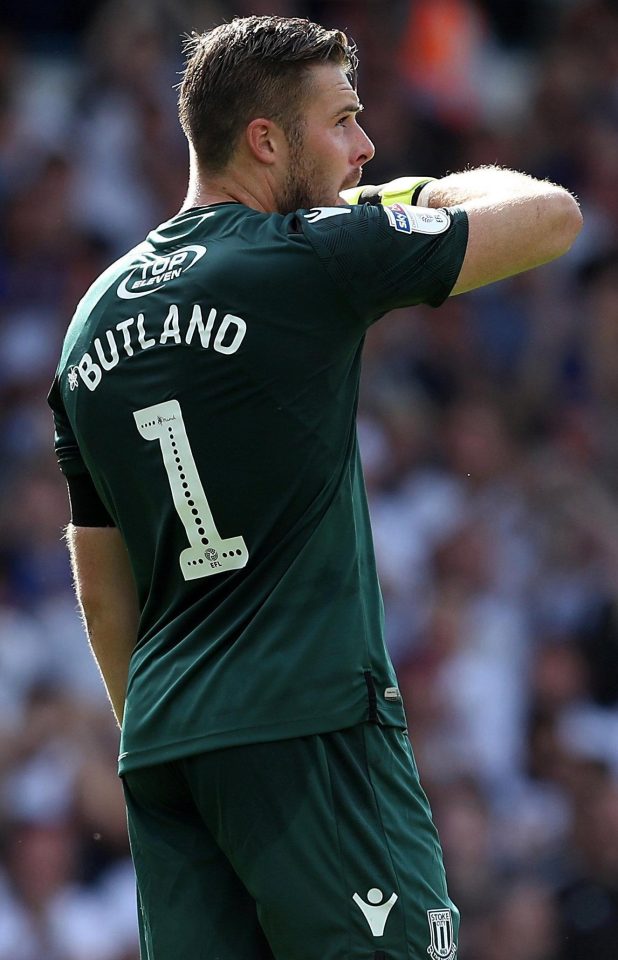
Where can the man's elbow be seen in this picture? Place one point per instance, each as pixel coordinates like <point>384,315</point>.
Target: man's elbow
<point>568,220</point>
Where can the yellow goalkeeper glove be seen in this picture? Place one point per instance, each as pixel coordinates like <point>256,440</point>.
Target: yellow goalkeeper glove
<point>401,190</point>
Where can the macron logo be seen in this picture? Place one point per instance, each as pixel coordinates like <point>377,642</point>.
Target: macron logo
<point>323,213</point>
<point>376,913</point>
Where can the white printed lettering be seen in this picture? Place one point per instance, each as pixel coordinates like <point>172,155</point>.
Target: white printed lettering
<point>123,327</point>
<point>177,259</point>
<point>89,371</point>
<point>141,334</point>
<point>197,323</point>
<point>113,350</point>
<point>171,328</point>
<point>159,265</point>
<point>241,328</point>
<point>229,337</point>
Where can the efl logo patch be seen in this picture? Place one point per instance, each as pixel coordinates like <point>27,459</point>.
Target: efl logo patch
<point>442,946</point>
<point>407,219</point>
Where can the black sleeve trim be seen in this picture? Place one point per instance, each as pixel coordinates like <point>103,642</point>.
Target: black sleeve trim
<point>371,698</point>
<point>370,195</point>
<point>417,192</point>
<point>87,508</point>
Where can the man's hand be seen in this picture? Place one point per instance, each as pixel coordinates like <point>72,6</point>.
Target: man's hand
<point>401,190</point>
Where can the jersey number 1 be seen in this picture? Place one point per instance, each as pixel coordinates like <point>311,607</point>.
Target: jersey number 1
<point>208,553</point>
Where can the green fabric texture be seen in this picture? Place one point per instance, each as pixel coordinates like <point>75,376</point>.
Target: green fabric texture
<point>208,384</point>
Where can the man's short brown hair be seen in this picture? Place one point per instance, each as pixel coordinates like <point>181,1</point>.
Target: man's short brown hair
<point>252,67</point>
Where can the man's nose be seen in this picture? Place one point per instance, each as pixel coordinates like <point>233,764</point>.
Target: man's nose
<point>366,148</point>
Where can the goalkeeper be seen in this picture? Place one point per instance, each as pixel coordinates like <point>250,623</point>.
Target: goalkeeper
<point>205,407</point>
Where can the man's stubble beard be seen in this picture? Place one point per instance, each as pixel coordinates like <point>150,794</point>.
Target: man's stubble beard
<point>303,188</point>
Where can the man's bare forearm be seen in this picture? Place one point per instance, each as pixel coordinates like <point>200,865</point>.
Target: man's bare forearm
<point>482,183</point>
<point>112,643</point>
<point>516,222</point>
<point>107,596</point>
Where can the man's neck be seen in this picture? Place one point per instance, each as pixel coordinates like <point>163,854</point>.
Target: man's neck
<point>228,187</point>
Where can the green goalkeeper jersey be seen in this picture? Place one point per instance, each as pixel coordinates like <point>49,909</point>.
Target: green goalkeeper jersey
<point>208,385</point>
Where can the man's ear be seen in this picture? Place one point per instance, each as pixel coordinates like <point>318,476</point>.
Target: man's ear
<point>265,140</point>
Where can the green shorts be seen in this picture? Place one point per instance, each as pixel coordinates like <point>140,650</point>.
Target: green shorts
<point>315,848</point>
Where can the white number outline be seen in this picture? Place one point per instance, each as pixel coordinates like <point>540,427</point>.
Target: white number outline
<point>208,553</point>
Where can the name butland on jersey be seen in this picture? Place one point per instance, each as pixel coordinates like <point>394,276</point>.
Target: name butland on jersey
<point>208,384</point>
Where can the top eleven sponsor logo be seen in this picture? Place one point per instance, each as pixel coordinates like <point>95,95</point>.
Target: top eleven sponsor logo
<point>153,270</point>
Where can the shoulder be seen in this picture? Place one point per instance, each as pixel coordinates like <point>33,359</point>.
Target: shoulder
<point>327,219</point>
<point>373,221</point>
<point>336,228</point>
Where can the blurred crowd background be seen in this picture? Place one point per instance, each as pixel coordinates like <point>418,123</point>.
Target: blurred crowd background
<point>489,435</point>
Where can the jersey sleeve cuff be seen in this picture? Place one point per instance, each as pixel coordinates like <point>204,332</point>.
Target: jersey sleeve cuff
<point>87,508</point>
